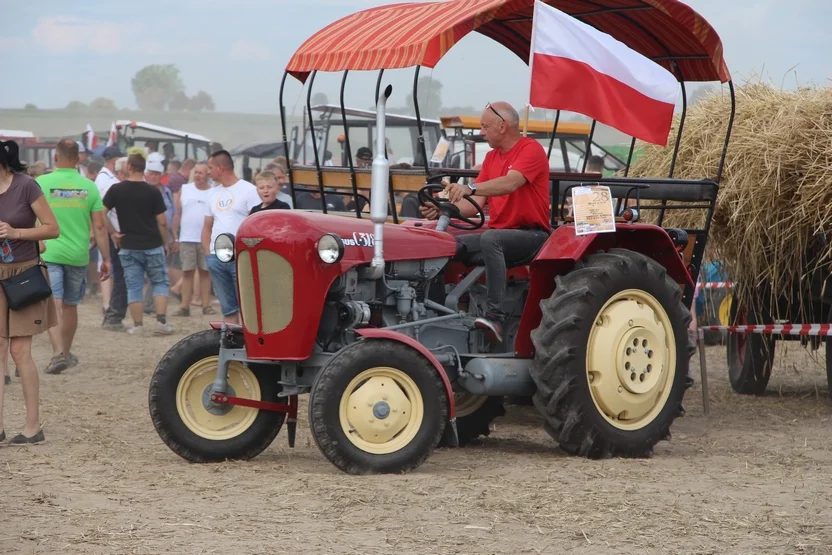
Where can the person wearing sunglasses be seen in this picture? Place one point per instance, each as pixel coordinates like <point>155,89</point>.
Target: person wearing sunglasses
<point>514,182</point>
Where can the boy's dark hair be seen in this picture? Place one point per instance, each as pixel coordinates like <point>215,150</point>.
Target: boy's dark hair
<point>10,157</point>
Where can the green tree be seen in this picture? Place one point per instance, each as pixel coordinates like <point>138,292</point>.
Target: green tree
<point>155,85</point>
<point>103,104</point>
<point>200,102</point>
<point>179,102</point>
<point>30,106</point>
<point>76,106</point>
<point>430,98</point>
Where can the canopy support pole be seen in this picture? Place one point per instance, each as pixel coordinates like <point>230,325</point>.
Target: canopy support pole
<point>728,133</point>
<point>588,152</point>
<point>314,140</point>
<point>348,148</point>
<point>285,141</point>
<point>554,134</point>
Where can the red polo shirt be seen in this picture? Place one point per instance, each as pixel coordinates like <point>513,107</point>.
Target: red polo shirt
<point>528,206</point>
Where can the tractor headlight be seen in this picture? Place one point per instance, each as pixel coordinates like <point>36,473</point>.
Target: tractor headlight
<point>224,247</point>
<point>330,248</point>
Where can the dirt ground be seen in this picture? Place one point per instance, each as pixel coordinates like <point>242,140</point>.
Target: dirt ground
<point>754,477</point>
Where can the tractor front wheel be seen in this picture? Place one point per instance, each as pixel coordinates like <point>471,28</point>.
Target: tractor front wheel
<point>377,406</point>
<point>186,419</point>
<point>612,355</point>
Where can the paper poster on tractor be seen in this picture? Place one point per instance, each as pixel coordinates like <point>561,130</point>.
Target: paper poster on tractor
<point>440,151</point>
<point>593,210</point>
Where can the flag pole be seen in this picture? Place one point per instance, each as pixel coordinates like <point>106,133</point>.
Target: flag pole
<point>531,67</point>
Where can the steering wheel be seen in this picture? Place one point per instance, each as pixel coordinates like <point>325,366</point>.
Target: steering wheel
<point>449,209</point>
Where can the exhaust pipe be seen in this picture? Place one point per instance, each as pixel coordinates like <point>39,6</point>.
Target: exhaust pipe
<point>380,181</point>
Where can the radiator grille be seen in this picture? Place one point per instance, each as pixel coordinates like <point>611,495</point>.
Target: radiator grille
<point>276,291</point>
<point>248,302</point>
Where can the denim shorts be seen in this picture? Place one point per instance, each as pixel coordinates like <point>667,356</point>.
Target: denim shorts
<point>67,282</point>
<point>224,278</point>
<point>137,264</point>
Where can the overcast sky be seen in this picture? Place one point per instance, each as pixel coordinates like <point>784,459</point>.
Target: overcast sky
<point>236,50</point>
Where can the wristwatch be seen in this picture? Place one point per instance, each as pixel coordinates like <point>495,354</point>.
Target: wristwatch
<point>473,187</point>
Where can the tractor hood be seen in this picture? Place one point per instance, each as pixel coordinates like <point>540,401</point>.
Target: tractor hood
<point>297,232</point>
<point>283,283</point>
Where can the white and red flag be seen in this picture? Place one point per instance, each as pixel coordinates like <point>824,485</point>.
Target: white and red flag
<point>111,139</point>
<point>91,141</point>
<point>577,68</point>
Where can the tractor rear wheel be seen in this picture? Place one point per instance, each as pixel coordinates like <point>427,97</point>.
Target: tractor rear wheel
<point>612,355</point>
<point>190,424</point>
<point>474,414</point>
<point>751,355</point>
<point>377,406</point>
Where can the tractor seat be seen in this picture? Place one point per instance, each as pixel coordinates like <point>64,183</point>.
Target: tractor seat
<point>477,260</point>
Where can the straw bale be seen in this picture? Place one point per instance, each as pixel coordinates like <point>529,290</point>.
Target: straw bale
<point>773,207</point>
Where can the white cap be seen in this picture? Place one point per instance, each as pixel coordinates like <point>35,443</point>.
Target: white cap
<point>155,166</point>
<point>155,157</point>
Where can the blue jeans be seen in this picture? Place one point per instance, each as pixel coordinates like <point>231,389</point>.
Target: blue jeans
<point>224,279</point>
<point>137,264</point>
<point>67,282</point>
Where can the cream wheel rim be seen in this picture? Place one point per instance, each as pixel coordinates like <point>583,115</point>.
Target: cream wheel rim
<point>468,403</point>
<point>193,403</point>
<point>631,359</point>
<point>381,410</point>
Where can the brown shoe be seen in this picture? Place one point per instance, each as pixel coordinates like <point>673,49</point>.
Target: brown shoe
<point>183,312</point>
<point>57,364</point>
<point>208,310</point>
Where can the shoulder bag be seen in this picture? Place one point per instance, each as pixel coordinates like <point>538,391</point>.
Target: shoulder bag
<point>27,287</point>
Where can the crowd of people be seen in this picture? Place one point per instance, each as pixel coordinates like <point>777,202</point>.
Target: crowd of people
<point>148,219</point>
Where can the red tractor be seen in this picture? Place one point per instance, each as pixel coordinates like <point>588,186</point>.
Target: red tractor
<point>376,322</point>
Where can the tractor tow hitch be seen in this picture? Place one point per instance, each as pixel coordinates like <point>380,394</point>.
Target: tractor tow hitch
<point>290,409</point>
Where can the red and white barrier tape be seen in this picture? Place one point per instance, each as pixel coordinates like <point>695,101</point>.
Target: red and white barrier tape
<point>715,285</point>
<point>776,329</point>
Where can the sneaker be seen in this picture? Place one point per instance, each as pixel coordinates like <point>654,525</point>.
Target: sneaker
<point>183,312</point>
<point>113,326</point>
<point>57,364</point>
<point>492,329</point>
<point>163,329</point>
<point>20,439</point>
<point>136,330</point>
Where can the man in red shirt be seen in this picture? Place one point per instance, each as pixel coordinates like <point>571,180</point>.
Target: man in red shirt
<point>514,182</point>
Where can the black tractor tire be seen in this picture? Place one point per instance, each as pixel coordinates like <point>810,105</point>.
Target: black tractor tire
<point>750,356</point>
<point>478,423</point>
<point>564,395</point>
<point>332,383</point>
<point>171,426</point>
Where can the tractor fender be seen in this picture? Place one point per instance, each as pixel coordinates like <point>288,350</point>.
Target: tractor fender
<point>377,333</point>
<point>564,248</point>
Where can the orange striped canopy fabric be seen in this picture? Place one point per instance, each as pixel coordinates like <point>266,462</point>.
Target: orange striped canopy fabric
<point>411,34</point>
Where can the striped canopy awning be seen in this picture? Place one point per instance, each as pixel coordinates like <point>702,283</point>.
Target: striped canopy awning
<point>406,35</point>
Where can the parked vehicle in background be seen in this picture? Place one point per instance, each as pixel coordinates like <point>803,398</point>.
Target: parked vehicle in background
<point>185,144</point>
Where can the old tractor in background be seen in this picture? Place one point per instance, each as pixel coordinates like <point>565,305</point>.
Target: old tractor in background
<point>375,321</point>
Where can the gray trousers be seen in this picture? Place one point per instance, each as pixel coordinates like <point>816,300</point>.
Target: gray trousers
<point>499,249</point>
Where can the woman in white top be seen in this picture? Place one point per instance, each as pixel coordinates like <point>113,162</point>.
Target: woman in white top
<point>190,203</point>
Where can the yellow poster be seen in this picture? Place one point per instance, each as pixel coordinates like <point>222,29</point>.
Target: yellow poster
<point>593,210</point>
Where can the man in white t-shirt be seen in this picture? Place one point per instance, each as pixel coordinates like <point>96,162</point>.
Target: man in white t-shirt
<point>113,290</point>
<point>191,202</point>
<point>228,205</point>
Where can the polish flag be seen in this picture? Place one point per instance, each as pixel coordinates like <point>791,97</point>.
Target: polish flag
<point>111,140</point>
<point>577,68</point>
<point>91,140</point>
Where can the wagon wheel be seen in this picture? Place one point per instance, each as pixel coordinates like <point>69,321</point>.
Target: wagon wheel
<point>750,356</point>
<point>612,354</point>
<point>377,406</point>
<point>186,419</point>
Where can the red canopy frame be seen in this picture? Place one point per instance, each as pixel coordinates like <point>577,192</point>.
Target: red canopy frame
<point>420,34</point>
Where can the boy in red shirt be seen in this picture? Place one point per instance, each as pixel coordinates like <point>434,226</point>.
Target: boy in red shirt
<point>514,181</point>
